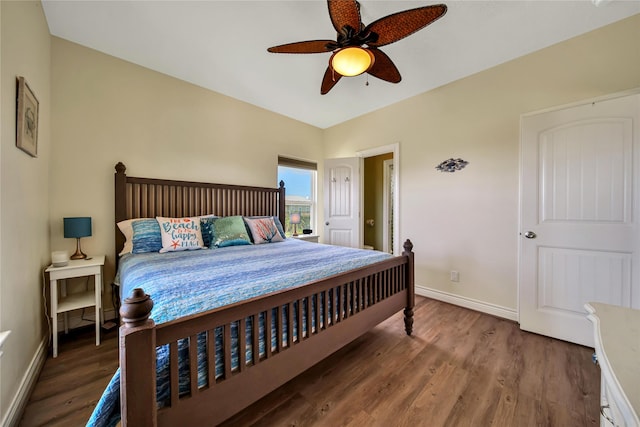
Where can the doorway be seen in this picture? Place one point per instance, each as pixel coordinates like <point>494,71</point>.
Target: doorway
<point>377,209</point>
<point>344,200</point>
<point>379,199</point>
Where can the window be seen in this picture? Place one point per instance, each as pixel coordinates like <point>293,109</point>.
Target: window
<point>300,183</point>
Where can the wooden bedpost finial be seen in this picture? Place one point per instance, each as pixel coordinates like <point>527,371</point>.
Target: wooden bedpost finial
<point>136,309</point>
<point>281,183</point>
<point>120,167</point>
<point>408,246</point>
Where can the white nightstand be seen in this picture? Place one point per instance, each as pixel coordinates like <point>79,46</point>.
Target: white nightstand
<point>92,266</point>
<point>307,237</point>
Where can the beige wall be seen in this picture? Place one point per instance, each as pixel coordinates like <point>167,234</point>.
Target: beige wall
<point>468,220</point>
<point>96,110</point>
<point>24,197</point>
<point>107,110</point>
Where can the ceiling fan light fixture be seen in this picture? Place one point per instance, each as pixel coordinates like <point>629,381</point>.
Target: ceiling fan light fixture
<point>352,61</point>
<point>350,56</point>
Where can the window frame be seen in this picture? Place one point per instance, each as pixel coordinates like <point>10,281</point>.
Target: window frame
<point>312,203</point>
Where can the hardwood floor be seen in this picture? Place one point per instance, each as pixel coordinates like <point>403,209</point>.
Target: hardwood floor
<point>460,368</point>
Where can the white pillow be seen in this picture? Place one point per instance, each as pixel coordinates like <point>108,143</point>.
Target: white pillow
<point>180,234</point>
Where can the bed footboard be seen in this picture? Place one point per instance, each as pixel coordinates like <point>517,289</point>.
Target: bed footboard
<point>300,327</point>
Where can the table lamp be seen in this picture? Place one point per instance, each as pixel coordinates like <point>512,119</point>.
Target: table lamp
<point>77,227</point>
<point>295,220</point>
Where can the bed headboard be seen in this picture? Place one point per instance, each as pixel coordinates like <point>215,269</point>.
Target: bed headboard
<point>151,197</point>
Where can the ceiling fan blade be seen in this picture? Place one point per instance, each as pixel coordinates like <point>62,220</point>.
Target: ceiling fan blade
<point>310,46</point>
<point>399,25</point>
<point>329,80</point>
<point>384,68</point>
<point>344,12</point>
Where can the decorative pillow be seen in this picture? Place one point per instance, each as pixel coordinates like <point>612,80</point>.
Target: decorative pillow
<point>275,220</point>
<point>206,222</point>
<point>146,236</point>
<point>263,230</point>
<point>180,234</point>
<point>127,230</point>
<point>229,231</point>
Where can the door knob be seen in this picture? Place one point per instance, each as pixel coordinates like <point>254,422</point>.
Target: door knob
<point>530,235</point>
<point>326,223</point>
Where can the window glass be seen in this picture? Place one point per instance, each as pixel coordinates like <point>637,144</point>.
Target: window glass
<point>300,198</point>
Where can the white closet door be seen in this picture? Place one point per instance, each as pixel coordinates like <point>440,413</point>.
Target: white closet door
<point>579,215</point>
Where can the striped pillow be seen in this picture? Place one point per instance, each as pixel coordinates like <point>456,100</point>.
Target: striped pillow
<point>146,236</point>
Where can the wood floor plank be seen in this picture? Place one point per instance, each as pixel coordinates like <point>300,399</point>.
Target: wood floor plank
<point>505,412</point>
<point>72,358</point>
<point>459,368</point>
<point>534,354</point>
<point>509,358</point>
<point>437,397</point>
<point>481,396</point>
<point>83,374</point>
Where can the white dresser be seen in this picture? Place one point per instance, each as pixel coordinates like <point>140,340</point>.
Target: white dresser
<point>617,345</point>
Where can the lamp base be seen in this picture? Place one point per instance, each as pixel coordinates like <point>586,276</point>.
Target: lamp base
<point>79,254</point>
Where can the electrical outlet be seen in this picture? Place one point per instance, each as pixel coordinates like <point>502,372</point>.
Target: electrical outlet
<point>455,276</point>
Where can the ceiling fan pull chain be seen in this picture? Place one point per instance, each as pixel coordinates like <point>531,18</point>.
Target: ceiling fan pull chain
<point>367,83</point>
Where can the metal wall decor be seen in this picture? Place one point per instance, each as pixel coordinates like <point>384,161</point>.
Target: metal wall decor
<point>452,165</point>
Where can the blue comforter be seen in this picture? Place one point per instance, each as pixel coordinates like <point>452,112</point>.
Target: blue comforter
<point>184,283</point>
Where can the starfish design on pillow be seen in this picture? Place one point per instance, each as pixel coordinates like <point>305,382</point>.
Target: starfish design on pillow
<point>175,244</point>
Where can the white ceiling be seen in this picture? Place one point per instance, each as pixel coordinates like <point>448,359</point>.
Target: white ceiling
<point>222,45</point>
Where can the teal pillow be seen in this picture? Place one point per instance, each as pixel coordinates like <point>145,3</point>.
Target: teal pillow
<point>146,236</point>
<point>229,231</point>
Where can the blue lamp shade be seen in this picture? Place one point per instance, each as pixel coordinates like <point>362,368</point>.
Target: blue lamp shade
<point>77,227</point>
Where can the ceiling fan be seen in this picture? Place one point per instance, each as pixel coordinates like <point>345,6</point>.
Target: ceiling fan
<point>356,49</point>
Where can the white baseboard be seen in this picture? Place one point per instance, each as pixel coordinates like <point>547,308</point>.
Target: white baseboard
<point>472,304</point>
<point>12,416</point>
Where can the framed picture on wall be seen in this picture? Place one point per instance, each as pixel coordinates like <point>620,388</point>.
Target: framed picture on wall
<point>27,119</point>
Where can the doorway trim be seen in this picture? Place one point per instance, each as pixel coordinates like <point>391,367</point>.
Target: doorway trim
<point>395,150</point>
<point>387,174</point>
<point>586,101</point>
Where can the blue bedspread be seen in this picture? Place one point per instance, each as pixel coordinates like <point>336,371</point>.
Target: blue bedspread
<point>184,283</point>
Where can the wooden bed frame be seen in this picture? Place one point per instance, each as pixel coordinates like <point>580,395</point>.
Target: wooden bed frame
<point>370,295</point>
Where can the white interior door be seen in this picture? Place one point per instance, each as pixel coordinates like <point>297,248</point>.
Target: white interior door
<point>579,215</point>
<point>342,201</point>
